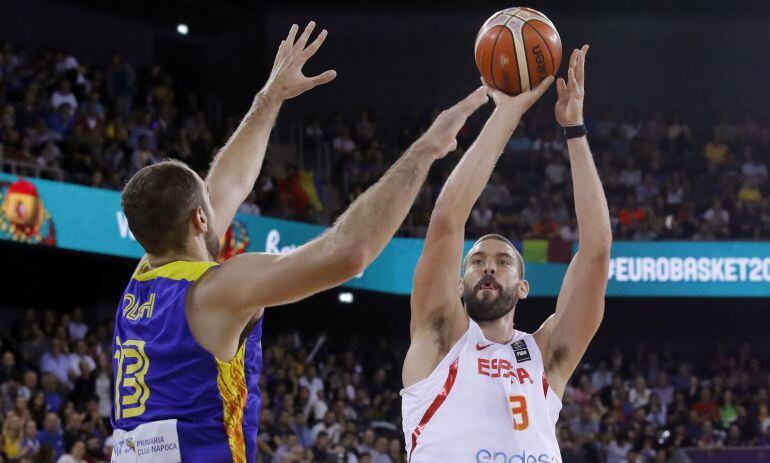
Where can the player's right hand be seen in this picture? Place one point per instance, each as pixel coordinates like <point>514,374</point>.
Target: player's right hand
<point>519,104</point>
<point>286,79</point>
<point>440,139</point>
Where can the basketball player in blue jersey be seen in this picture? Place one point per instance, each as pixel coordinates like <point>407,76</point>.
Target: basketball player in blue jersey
<point>187,353</point>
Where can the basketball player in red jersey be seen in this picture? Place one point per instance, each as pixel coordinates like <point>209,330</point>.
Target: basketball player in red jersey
<point>476,389</point>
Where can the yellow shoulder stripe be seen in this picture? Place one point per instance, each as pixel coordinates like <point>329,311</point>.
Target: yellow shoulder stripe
<point>179,270</point>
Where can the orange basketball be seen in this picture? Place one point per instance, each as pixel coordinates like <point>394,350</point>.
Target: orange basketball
<point>516,49</point>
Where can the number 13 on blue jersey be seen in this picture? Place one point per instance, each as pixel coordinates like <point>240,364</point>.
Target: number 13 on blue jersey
<point>132,367</point>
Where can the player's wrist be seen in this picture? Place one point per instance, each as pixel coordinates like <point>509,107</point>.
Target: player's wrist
<point>270,95</point>
<point>510,113</point>
<point>575,131</point>
<point>425,149</point>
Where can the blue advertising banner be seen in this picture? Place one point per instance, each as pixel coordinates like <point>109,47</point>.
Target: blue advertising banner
<point>88,219</point>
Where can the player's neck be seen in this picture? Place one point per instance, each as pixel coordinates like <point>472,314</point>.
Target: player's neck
<point>499,330</point>
<point>190,255</point>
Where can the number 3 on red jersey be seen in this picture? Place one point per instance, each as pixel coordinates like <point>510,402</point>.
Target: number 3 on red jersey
<point>519,409</point>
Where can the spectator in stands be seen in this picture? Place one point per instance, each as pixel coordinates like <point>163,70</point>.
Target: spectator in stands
<point>142,135</point>
<point>330,426</point>
<point>728,412</point>
<point>63,94</point>
<point>647,190</point>
<point>62,120</point>
<point>12,436</point>
<point>630,215</point>
<point>618,448</point>
<point>710,438</point>
<point>51,436</point>
<point>481,218</point>
<point>750,192</point>
<point>343,144</point>
<point>631,175</point>
<point>752,168</point>
<point>545,228</point>
<point>569,232</point>
<point>716,151</point>
<point>705,407</point>
<point>718,218</point>
<point>639,395</point>
<point>142,156</point>
<point>556,170</point>
<point>56,362</point>
<point>77,329</point>
<point>380,452</point>
<point>75,455</point>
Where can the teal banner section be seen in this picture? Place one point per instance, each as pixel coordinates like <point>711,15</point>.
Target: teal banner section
<point>696,269</point>
<point>79,218</point>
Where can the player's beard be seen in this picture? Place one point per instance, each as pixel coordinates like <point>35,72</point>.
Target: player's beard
<point>488,310</point>
<point>212,244</point>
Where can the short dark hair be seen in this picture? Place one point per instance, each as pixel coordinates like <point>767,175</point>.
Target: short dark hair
<point>516,253</point>
<point>158,201</point>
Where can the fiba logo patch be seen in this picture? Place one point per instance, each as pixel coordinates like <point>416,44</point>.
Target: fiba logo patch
<point>520,351</point>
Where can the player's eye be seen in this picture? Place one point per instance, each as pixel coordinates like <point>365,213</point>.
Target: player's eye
<point>476,262</point>
<point>503,262</point>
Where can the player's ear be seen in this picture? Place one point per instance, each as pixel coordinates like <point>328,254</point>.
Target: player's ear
<point>523,289</point>
<point>200,221</point>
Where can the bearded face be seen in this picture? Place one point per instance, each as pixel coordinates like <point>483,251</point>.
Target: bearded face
<point>491,284</point>
<point>487,300</point>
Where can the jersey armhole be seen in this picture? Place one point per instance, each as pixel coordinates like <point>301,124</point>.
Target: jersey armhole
<point>445,362</point>
<point>549,388</point>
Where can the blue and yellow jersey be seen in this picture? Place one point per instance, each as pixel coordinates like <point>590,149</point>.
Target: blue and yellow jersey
<point>174,401</point>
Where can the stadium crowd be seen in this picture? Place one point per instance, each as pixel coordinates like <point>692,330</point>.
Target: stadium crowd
<point>97,125</point>
<point>329,400</point>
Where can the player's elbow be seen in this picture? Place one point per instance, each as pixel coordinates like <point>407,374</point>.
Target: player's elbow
<point>442,221</point>
<point>351,261</point>
<point>597,247</point>
<point>603,249</point>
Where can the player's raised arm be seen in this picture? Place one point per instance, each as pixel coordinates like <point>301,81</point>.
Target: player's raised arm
<point>250,281</point>
<point>435,300</point>
<point>437,273</point>
<point>236,167</point>
<point>580,307</point>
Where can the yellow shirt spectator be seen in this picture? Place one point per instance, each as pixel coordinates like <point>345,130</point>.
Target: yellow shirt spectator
<point>749,194</point>
<point>716,152</point>
<point>11,446</point>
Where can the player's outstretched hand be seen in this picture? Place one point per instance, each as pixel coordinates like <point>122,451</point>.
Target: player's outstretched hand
<point>569,107</point>
<point>440,139</point>
<point>519,104</point>
<point>286,79</point>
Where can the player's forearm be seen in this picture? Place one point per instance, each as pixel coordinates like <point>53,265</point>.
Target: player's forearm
<point>237,165</point>
<point>466,182</point>
<point>372,220</point>
<point>593,217</point>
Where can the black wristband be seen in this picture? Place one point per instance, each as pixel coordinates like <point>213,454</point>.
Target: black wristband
<point>576,131</point>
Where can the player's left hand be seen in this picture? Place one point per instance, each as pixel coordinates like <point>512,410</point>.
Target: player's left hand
<point>286,79</point>
<point>569,107</point>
